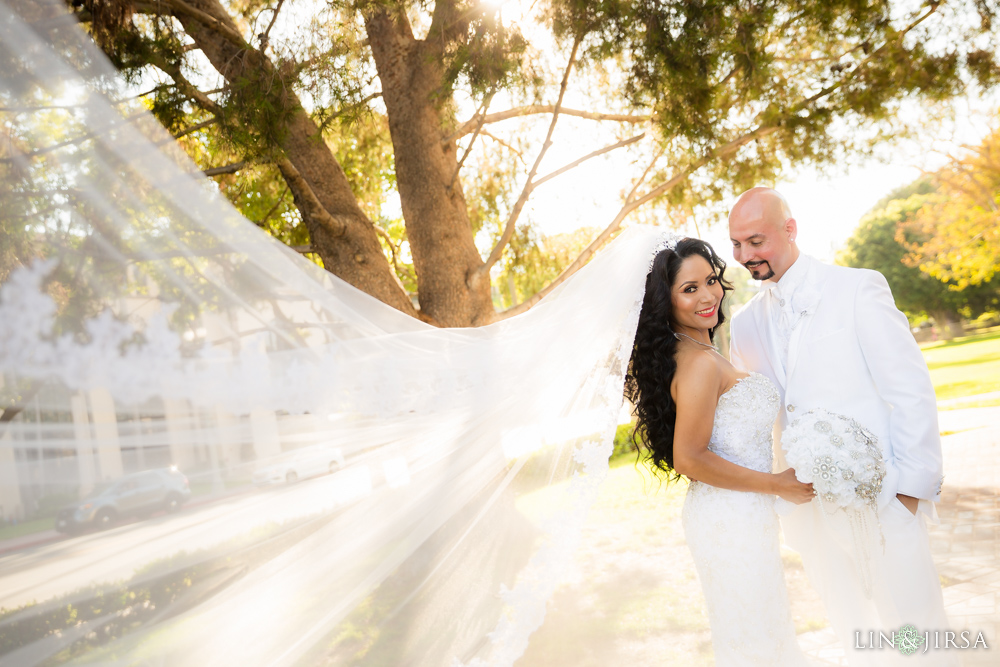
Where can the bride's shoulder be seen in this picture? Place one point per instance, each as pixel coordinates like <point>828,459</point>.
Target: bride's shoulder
<point>698,370</point>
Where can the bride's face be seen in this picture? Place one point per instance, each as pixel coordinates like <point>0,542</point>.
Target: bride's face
<point>696,295</point>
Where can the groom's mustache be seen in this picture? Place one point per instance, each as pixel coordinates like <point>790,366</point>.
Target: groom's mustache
<point>755,268</point>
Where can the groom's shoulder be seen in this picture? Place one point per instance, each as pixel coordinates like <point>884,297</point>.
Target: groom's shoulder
<point>847,277</point>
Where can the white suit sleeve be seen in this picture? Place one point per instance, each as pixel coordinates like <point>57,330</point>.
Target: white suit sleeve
<point>902,379</point>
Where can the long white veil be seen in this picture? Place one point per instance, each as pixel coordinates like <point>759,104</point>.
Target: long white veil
<point>144,324</point>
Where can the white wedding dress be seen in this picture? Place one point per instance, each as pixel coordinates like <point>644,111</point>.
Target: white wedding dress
<point>733,536</point>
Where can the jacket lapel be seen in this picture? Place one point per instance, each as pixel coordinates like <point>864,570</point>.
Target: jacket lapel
<point>769,341</point>
<point>794,343</point>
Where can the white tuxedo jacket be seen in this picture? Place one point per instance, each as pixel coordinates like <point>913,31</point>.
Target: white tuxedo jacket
<point>852,354</point>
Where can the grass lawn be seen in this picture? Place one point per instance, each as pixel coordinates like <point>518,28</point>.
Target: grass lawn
<point>989,403</point>
<point>26,528</point>
<point>965,366</point>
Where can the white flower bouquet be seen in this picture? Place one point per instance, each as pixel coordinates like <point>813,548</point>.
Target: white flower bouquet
<point>843,461</point>
<point>840,457</point>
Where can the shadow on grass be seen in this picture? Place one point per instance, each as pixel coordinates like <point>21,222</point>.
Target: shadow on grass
<point>959,342</point>
<point>973,361</point>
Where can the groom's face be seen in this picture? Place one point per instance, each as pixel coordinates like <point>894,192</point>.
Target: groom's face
<point>761,245</point>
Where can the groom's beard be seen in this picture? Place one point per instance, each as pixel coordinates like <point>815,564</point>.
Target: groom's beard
<point>759,270</point>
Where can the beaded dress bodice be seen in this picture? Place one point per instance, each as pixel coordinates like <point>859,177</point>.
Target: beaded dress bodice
<point>743,422</point>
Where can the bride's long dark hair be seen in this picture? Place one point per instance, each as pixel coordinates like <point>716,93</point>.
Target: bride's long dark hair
<point>652,366</point>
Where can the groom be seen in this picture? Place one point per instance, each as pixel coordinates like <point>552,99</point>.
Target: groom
<point>830,337</point>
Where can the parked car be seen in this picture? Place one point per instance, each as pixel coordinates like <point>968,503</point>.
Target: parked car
<point>303,463</point>
<point>132,495</point>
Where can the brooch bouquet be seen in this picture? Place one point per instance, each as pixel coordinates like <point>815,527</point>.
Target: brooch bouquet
<point>844,463</point>
<point>840,457</point>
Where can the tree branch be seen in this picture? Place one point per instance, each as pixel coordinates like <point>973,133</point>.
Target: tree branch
<point>392,246</point>
<point>194,128</point>
<point>267,216</point>
<point>216,24</point>
<point>187,88</point>
<point>536,109</point>
<point>588,156</point>
<point>627,208</point>
<point>482,113</point>
<point>306,199</point>
<point>344,109</point>
<point>503,143</point>
<point>227,169</point>
<point>642,179</point>
<point>49,107</point>
<point>515,212</point>
<point>267,33</point>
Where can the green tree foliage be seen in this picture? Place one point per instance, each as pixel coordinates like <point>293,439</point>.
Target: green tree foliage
<point>362,101</point>
<point>875,245</point>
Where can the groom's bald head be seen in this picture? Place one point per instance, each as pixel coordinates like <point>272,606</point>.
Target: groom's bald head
<point>764,204</point>
<point>763,230</point>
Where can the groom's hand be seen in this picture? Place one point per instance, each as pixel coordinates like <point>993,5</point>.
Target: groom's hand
<point>909,502</point>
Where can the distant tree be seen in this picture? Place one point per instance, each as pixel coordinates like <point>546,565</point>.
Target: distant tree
<point>955,235</point>
<point>730,93</point>
<point>874,245</point>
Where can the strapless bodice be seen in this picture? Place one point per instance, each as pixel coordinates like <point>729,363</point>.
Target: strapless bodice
<point>744,419</point>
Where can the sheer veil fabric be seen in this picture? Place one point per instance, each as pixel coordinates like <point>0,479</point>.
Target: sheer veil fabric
<point>144,323</point>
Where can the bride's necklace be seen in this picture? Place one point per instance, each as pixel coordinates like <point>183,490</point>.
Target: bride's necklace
<point>678,334</point>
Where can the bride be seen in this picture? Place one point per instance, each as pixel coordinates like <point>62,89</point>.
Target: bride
<point>698,418</point>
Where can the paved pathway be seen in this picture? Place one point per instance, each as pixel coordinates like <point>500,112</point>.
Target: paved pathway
<point>966,543</point>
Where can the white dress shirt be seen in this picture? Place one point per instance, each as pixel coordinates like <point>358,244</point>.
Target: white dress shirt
<point>787,303</point>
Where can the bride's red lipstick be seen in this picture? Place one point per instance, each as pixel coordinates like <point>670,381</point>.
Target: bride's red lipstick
<point>709,313</point>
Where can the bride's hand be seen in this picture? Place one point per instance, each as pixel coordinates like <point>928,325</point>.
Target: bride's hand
<point>791,489</point>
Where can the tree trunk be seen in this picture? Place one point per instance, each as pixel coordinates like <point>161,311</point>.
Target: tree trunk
<point>341,233</point>
<point>948,324</point>
<point>437,222</point>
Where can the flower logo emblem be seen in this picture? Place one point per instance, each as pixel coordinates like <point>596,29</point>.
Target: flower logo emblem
<point>908,640</point>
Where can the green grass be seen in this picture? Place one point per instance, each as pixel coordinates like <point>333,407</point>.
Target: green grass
<point>965,366</point>
<point>26,528</point>
<point>991,403</point>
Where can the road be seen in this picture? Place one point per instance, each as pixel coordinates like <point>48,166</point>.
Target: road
<point>56,569</point>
